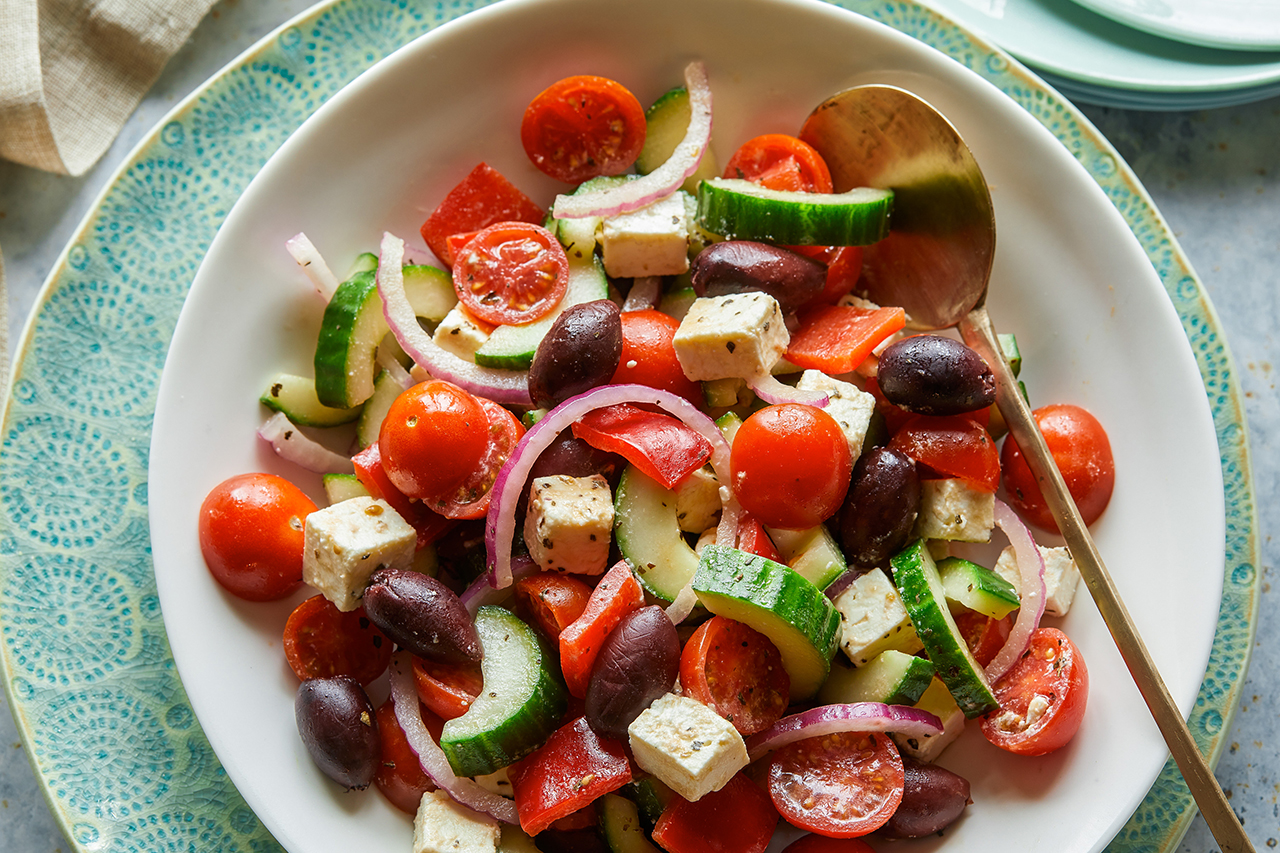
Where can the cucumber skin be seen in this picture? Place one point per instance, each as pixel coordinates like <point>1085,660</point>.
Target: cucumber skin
<point>343,355</point>
<point>480,752</point>
<point>663,576</point>
<point>296,397</point>
<point>727,210</point>
<point>952,661</point>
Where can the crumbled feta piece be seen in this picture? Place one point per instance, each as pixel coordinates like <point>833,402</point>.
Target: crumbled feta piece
<point>853,300</point>
<point>698,500</point>
<point>950,509</point>
<point>1061,577</point>
<point>461,334</point>
<point>708,537</point>
<point>347,542</point>
<point>687,745</point>
<point>873,619</point>
<point>443,825</point>
<point>851,407</point>
<point>736,335</point>
<point>569,523</point>
<point>937,700</point>
<point>653,240</point>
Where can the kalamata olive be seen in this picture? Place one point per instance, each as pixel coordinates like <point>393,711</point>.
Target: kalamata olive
<point>737,266</point>
<point>933,375</point>
<point>421,614</point>
<point>339,729</point>
<point>573,457</point>
<point>637,664</point>
<point>884,496</point>
<point>932,798</point>
<point>580,352</point>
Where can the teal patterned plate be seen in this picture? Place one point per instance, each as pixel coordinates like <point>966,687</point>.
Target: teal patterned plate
<point>90,676</point>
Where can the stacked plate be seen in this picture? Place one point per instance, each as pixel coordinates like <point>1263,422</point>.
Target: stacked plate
<point>1138,54</point>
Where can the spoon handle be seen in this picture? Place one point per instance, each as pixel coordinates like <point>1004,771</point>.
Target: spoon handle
<point>1223,823</point>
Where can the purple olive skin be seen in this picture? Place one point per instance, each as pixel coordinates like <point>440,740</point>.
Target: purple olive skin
<point>933,375</point>
<point>932,798</point>
<point>422,615</point>
<point>738,266</point>
<point>338,726</point>
<point>580,352</point>
<point>637,664</point>
<point>881,506</point>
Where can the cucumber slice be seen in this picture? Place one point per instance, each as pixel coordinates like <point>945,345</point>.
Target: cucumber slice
<point>620,824</point>
<point>342,487</point>
<point>1009,346</point>
<point>741,210</point>
<point>666,123</point>
<point>729,423</point>
<point>892,677</point>
<point>515,840</point>
<point>651,796</point>
<point>578,236</point>
<point>647,530</point>
<point>675,303</point>
<point>430,291</point>
<point>778,603</point>
<point>512,347</point>
<point>385,391</point>
<point>813,553</point>
<point>520,705</point>
<point>979,589</point>
<point>922,594</point>
<point>296,397</point>
<point>364,262</point>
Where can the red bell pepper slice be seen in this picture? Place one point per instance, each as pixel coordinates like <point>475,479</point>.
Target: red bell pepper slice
<point>836,338</point>
<point>617,594</point>
<point>661,446</point>
<point>369,471</point>
<point>553,600</point>
<point>739,818</point>
<point>754,539</point>
<point>478,201</point>
<point>571,770</point>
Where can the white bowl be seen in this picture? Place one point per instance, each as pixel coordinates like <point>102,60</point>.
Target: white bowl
<point>1070,279</point>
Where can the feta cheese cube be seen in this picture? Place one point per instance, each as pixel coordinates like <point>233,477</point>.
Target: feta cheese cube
<point>569,523</point>
<point>937,700</point>
<point>1061,577</point>
<point>445,826</point>
<point>687,745</point>
<point>698,500</point>
<point>950,509</point>
<point>739,334</point>
<point>873,619</point>
<point>653,240</point>
<point>851,407</point>
<point>347,542</point>
<point>461,334</point>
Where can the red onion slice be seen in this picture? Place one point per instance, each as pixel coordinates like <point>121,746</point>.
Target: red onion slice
<point>853,717</point>
<point>309,258</point>
<point>1031,591</point>
<point>643,294</point>
<point>771,390</point>
<point>500,524</point>
<point>292,445</point>
<point>481,592</point>
<point>432,758</point>
<point>501,386</point>
<point>662,181</point>
<point>392,365</point>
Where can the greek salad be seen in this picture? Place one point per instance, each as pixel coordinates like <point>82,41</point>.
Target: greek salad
<point>655,525</point>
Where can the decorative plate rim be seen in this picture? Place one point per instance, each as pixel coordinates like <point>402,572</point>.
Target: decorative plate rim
<point>66,549</point>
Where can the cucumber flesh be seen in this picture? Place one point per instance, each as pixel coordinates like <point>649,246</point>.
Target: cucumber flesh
<point>777,602</point>
<point>342,487</point>
<point>364,262</point>
<point>813,553</point>
<point>666,123</point>
<point>521,703</point>
<point>976,588</point>
<point>921,588</point>
<point>385,391</point>
<point>621,826</point>
<point>296,397</point>
<point>646,528</point>
<point>741,210</point>
<point>892,677</point>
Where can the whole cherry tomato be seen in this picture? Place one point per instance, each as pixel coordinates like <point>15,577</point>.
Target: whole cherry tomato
<point>321,641</point>
<point>434,437</point>
<point>780,162</point>
<point>649,356</point>
<point>251,535</point>
<point>1082,450</point>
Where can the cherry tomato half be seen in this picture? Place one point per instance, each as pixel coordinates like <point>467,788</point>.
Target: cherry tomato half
<point>583,127</point>
<point>953,446</point>
<point>1082,450</point>
<point>251,535</point>
<point>400,776</point>
<point>553,600</point>
<point>780,162</point>
<point>738,672</point>
<point>445,689</point>
<point>790,466</point>
<point>511,273</point>
<point>649,356</point>
<point>738,818</point>
<point>321,641</point>
<point>471,499</point>
<point>1042,697</point>
<point>434,436</point>
<point>844,785</point>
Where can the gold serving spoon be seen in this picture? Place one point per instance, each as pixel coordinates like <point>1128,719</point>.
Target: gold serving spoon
<point>935,263</point>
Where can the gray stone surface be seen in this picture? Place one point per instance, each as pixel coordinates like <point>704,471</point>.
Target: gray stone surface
<point>1214,174</point>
